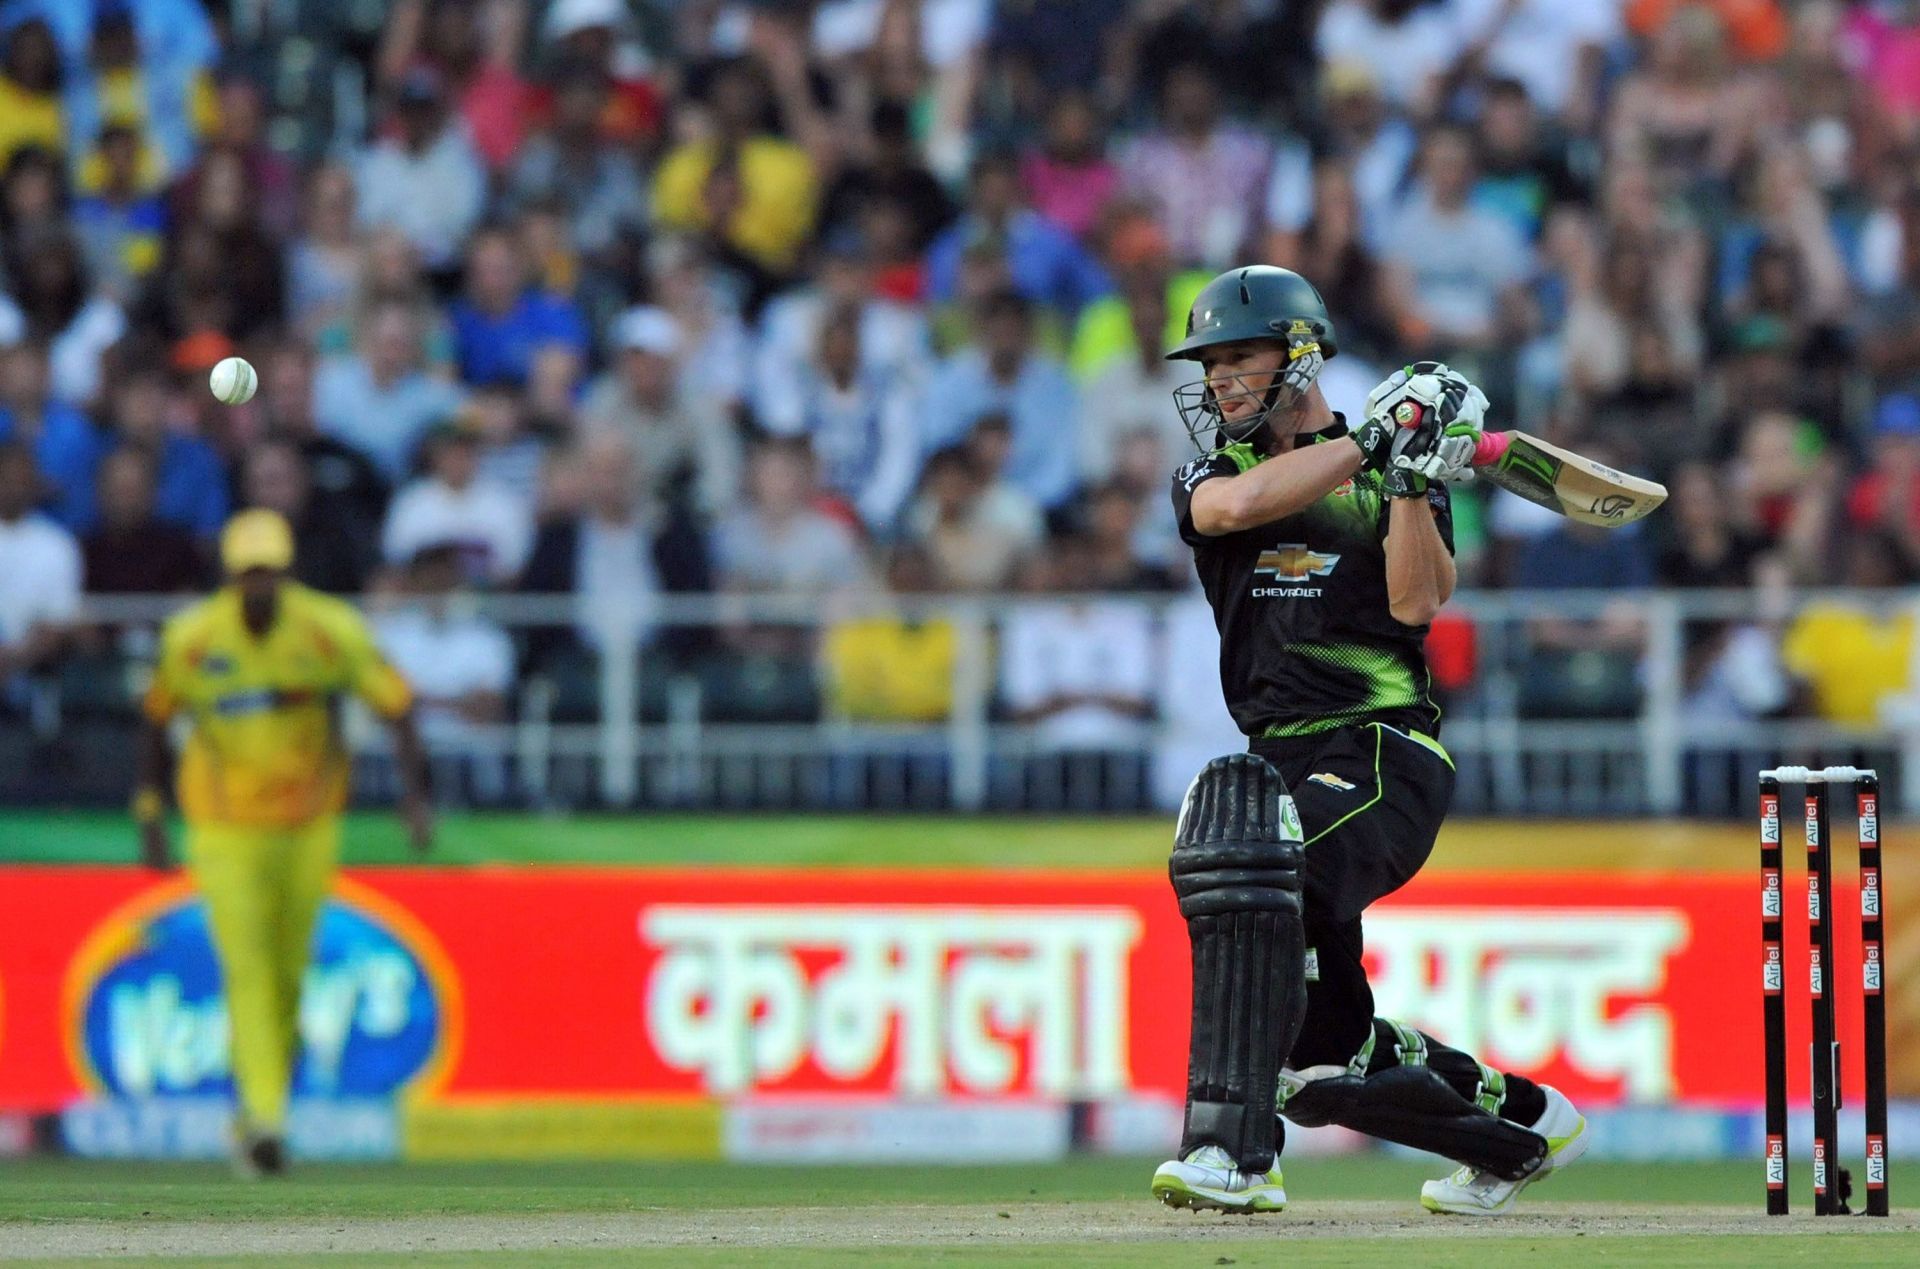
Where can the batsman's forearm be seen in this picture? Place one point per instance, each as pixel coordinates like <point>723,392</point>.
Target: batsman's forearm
<point>1420,573</point>
<point>1277,488</point>
<point>409,755</point>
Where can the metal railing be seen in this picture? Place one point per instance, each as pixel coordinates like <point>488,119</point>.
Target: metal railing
<point>1514,755</point>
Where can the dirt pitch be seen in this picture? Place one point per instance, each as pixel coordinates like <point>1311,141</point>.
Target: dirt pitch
<point>952,1227</point>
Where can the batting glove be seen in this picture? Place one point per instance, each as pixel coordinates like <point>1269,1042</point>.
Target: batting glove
<point>1438,417</point>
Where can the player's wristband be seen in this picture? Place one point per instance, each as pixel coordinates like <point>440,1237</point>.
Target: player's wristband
<point>148,806</point>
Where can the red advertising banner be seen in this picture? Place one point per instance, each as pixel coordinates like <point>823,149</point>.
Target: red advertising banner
<point>620,983</point>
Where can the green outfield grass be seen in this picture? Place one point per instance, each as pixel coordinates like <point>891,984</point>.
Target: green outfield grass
<point>909,841</point>
<point>1014,1215</point>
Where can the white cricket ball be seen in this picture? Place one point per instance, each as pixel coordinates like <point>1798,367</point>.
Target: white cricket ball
<point>234,381</point>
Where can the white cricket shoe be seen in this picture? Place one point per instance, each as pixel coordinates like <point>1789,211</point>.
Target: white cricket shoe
<point>1209,1178</point>
<point>1471,1192</point>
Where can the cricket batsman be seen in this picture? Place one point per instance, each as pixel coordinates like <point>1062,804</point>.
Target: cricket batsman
<point>1325,551</point>
<point>259,668</point>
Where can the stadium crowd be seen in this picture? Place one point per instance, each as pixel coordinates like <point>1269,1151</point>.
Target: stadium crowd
<point>620,298</point>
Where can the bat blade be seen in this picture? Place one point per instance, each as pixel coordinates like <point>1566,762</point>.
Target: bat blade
<point>1575,486</point>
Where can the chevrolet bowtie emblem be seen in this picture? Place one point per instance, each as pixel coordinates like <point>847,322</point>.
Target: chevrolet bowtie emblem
<point>1295,563</point>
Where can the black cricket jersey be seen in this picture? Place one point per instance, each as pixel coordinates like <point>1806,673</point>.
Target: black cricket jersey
<point>1307,642</point>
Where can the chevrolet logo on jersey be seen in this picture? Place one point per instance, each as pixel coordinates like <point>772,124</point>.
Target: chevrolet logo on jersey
<point>1292,563</point>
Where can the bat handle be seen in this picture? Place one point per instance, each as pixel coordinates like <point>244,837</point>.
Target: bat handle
<point>1492,446</point>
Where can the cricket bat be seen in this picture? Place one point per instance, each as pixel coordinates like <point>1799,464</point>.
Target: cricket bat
<point>1557,479</point>
<point>1560,480</point>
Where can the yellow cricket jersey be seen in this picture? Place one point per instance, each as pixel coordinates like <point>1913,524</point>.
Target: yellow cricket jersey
<point>884,670</point>
<point>266,749</point>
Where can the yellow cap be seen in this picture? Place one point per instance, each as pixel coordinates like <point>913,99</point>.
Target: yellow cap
<point>256,539</point>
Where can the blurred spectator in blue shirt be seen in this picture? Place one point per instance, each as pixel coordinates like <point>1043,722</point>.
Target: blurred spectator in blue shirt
<point>860,419</point>
<point>63,442</point>
<point>122,224</point>
<point>501,323</point>
<point>379,400</point>
<point>1046,264</point>
<point>1004,375</point>
<point>425,179</point>
<point>189,482</point>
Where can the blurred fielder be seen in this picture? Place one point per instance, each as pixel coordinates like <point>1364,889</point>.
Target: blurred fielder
<point>259,668</point>
<point>1325,551</point>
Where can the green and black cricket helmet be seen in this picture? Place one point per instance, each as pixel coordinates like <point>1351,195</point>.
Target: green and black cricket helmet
<point>1259,301</point>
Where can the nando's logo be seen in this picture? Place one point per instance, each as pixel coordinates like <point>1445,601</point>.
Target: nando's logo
<point>1292,562</point>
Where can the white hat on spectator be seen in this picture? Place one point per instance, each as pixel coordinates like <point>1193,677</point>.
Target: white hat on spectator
<point>568,16</point>
<point>647,329</point>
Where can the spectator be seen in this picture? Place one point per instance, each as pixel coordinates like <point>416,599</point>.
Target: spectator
<point>1113,560</point>
<point>1453,261</point>
<point>190,485</point>
<point>390,271</point>
<point>572,166</point>
<point>515,437</point>
<point>644,398</point>
<point>240,131</point>
<point>146,63</point>
<point>453,504</point>
<point>1557,50</point>
<point>332,552</point>
<point>1608,311</point>
<point>1856,659</point>
<point>974,528</point>
<point>892,176</point>
<point>860,420</point>
<point>61,440</point>
<point>1524,169</point>
<point>1332,249</point>
<point>252,271</point>
<point>779,542</point>
<point>893,666</point>
<point>33,198</point>
<point>424,179</point>
<point>717,356</point>
<point>1044,263</point>
<point>346,484</point>
<point>30,80</point>
<point>606,556</point>
<point>40,573</point>
<point>1134,393</point>
<point>1377,146</point>
<point>1890,324</point>
<point>57,306</point>
<point>596,33</point>
<point>1886,497</point>
<point>122,223</point>
<point>382,401</point>
<point>1080,671</point>
<point>1206,176</point>
<point>1414,38</point>
<point>1686,115</point>
<point>1785,490</point>
<point>777,185</point>
<point>894,339</point>
<point>1886,44</point>
<point>1705,547</point>
<point>132,551</point>
<point>1068,178</point>
<point>1005,376</point>
<point>324,260</point>
<point>446,39</point>
<point>458,663</point>
<point>502,322</point>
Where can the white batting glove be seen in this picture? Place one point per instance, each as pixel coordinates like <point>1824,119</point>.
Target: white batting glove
<point>1438,416</point>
